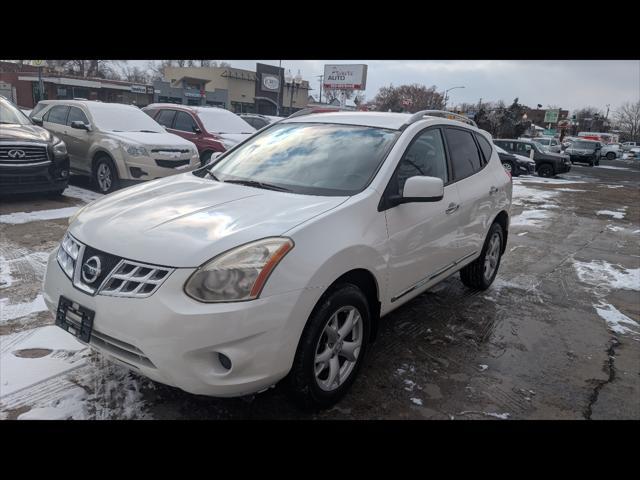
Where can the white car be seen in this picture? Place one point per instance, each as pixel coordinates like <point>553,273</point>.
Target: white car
<point>611,151</point>
<point>549,143</point>
<point>277,260</point>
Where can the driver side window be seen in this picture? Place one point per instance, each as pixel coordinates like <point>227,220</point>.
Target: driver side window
<point>425,156</point>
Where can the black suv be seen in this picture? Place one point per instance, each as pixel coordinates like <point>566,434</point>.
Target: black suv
<point>548,164</point>
<point>31,158</point>
<point>584,151</point>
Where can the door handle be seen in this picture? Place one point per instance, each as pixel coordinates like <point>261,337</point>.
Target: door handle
<point>452,208</point>
<point>493,190</point>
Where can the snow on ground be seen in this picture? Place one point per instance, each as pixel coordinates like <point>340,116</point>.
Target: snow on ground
<point>6,280</point>
<point>569,190</point>
<point>613,168</point>
<point>530,218</point>
<point>523,194</point>
<point>10,311</point>
<point>18,373</point>
<point>86,196</point>
<point>614,186</point>
<point>63,408</point>
<point>501,416</point>
<point>417,401</point>
<point>26,217</point>
<point>603,274</point>
<point>616,320</point>
<point>549,181</point>
<point>617,215</point>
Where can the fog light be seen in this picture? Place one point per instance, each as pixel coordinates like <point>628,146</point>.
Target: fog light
<point>224,361</point>
<point>64,173</point>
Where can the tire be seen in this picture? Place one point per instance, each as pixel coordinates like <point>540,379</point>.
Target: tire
<point>313,391</point>
<point>510,168</point>
<point>105,175</point>
<point>205,157</point>
<point>611,155</point>
<point>591,163</point>
<point>545,170</point>
<point>474,274</point>
<point>597,163</point>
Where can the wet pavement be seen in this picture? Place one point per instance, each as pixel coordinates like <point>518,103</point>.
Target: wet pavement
<point>555,337</point>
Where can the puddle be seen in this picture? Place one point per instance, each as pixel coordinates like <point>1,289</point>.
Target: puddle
<point>32,352</point>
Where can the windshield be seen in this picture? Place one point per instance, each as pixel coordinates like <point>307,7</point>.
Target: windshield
<point>11,114</point>
<point>310,158</point>
<point>122,118</point>
<point>218,120</point>
<point>543,141</point>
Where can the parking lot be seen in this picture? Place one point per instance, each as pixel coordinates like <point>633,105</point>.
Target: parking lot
<point>555,337</point>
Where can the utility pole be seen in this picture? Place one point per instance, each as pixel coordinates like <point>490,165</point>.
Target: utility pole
<point>279,87</point>
<point>321,77</point>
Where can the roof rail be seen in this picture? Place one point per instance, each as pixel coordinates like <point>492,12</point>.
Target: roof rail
<point>438,113</point>
<point>310,110</point>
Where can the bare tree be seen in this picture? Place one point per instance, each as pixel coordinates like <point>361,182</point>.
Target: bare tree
<point>408,98</point>
<point>87,68</point>
<point>627,118</point>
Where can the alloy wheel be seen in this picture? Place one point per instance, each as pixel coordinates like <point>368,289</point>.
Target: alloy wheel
<point>105,178</point>
<point>492,256</point>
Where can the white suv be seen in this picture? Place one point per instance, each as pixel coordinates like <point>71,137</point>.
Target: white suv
<point>277,260</point>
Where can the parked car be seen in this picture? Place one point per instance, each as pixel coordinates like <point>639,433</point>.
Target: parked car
<point>548,164</point>
<point>258,290</point>
<point>31,158</point>
<point>212,129</point>
<point>115,144</point>
<point>516,164</point>
<point>549,143</point>
<point>634,152</point>
<point>26,111</point>
<point>626,146</point>
<point>611,151</point>
<point>255,120</point>
<point>584,151</point>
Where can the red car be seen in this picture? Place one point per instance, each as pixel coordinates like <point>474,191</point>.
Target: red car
<point>212,129</point>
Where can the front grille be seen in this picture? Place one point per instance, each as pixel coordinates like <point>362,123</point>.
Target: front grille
<point>18,154</point>
<point>117,277</point>
<point>124,351</point>
<point>170,150</point>
<point>134,279</point>
<point>23,179</point>
<point>171,163</point>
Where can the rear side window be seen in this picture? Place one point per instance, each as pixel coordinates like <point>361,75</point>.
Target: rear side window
<point>465,158</point>
<point>76,115</point>
<point>486,148</point>
<point>508,146</point>
<point>58,114</point>
<point>166,118</point>
<point>184,122</point>
<point>151,112</point>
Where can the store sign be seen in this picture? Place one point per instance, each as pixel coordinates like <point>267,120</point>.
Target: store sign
<point>192,94</point>
<point>138,88</point>
<point>270,82</point>
<point>345,77</point>
<point>551,116</point>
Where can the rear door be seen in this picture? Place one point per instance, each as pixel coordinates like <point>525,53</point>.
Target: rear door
<point>78,140</point>
<point>477,189</point>
<point>422,236</point>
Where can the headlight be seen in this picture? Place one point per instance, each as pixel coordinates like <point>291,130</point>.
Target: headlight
<point>59,147</point>
<point>68,254</point>
<point>135,150</point>
<point>238,274</point>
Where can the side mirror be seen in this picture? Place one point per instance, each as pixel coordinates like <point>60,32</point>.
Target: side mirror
<point>197,130</point>
<point>80,125</point>
<point>37,121</point>
<point>214,155</point>
<point>420,189</point>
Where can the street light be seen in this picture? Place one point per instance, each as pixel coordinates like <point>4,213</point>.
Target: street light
<point>292,82</point>
<point>446,95</point>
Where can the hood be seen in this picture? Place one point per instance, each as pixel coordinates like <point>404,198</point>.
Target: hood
<point>24,133</point>
<point>185,220</point>
<point>162,139</point>
<point>232,139</point>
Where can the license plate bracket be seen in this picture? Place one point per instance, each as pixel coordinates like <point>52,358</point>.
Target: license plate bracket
<point>82,325</point>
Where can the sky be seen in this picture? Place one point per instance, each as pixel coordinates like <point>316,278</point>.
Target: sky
<point>569,84</point>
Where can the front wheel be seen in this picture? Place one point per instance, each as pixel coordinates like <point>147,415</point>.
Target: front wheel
<point>510,168</point>
<point>331,349</point>
<point>545,170</point>
<point>482,271</point>
<point>105,175</point>
<point>611,155</point>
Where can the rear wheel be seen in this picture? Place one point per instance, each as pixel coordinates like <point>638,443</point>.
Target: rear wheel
<point>510,168</point>
<point>331,349</point>
<point>545,170</point>
<point>611,155</point>
<point>482,271</point>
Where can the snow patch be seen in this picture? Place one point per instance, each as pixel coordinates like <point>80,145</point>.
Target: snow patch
<point>86,196</point>
<point>616,215</point>
<point>69,406</point>
<point>417,401</point>
<point>616,320</point>
<point>6,280</point>
<point>26,217</point>
<point>530,218</point>
<point>613,168</point>
<point>12,311</point>
<point>603,274</point>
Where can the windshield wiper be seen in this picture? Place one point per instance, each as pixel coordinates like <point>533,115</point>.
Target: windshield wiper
<point>208,172</point>
<point>253,183</point>
<point>145,131</point>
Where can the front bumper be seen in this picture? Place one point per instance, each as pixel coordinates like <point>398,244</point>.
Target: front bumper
<point>44,178</point>
<point>525,168</point>
<point>159,166</point>
<point>584,158</point>
<point>175,340</point>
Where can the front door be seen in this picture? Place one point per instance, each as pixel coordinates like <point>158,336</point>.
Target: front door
<point>78,141</point>
<point>422,236</point>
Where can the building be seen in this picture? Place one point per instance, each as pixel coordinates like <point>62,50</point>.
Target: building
<point>22,82</point>
<point>232,88</point>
